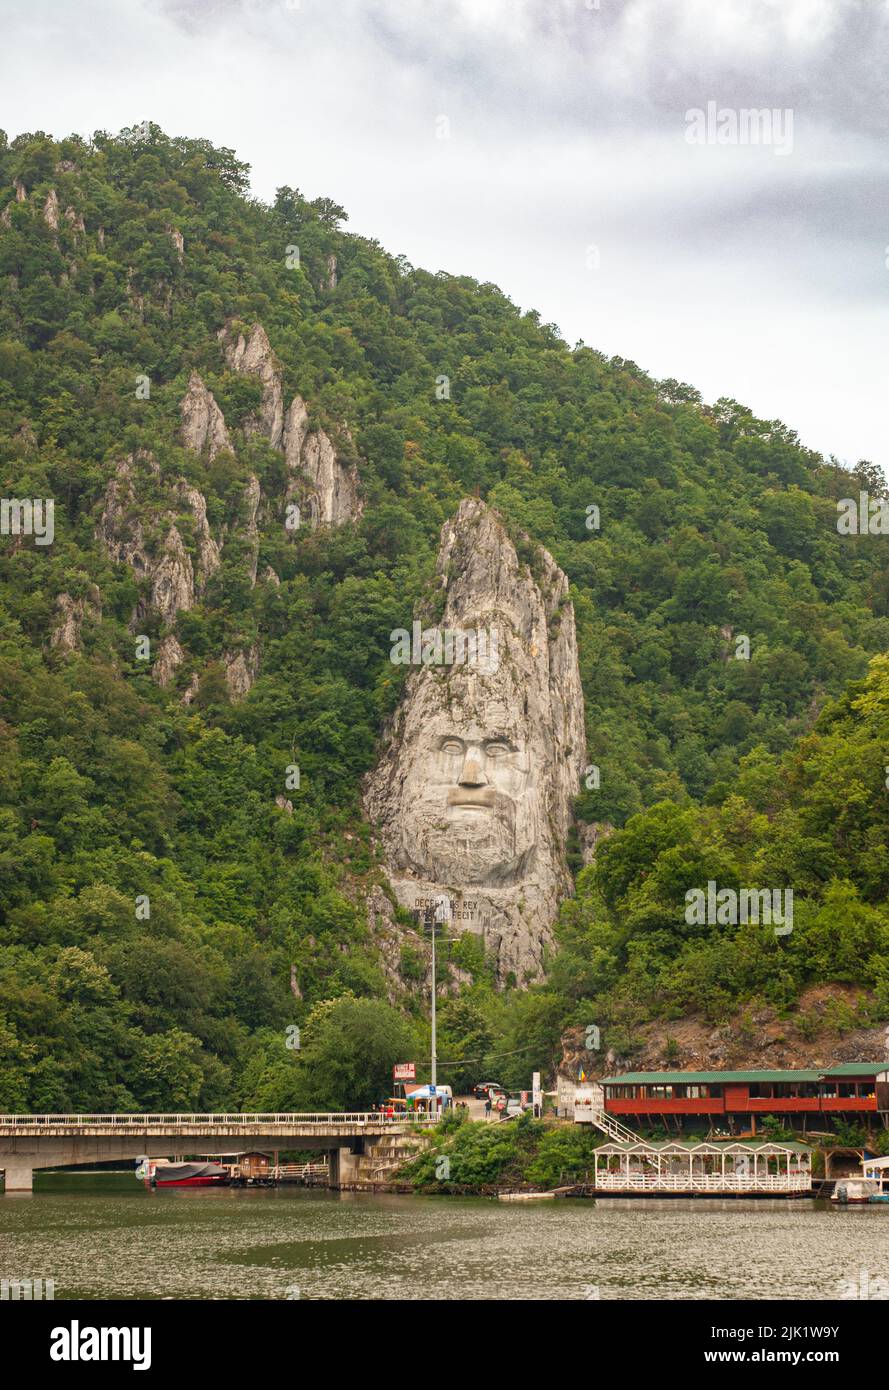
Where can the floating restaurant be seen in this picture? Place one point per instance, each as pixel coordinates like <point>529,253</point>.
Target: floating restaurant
<point>734,1101</point>
<point>683,1167</point>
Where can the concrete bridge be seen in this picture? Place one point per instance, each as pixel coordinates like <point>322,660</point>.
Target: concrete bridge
<point>362,1146</point>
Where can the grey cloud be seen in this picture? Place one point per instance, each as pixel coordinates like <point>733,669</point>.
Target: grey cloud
<point>568,128</point>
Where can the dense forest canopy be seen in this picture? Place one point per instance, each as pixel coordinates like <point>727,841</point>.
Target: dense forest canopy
<point>730,638</point>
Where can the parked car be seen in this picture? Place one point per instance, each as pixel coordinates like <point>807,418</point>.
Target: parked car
<point>513,1107</point>
<point>486,1088</point>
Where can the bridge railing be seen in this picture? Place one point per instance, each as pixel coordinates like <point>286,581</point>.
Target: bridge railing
<point>287,1120</point>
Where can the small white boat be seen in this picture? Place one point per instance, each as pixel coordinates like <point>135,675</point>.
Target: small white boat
<point>524,1196</point>
<point>854,1190</point>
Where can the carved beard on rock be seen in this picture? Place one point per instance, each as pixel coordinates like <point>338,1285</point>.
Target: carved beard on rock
<point>469,804</point>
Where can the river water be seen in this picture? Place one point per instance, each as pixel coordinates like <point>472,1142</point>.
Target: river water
<point>108,1237</point>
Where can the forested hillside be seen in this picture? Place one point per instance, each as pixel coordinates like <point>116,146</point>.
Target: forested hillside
<point>724,626</point>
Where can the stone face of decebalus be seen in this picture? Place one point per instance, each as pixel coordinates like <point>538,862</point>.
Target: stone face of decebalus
<point>472,794</point>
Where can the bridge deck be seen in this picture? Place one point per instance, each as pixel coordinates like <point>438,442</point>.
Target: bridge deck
<point>334,1123</point>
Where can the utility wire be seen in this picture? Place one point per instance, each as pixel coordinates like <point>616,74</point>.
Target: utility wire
<point>486,1057</point>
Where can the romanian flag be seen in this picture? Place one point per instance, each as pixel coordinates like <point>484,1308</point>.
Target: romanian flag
<point>582,1075</point>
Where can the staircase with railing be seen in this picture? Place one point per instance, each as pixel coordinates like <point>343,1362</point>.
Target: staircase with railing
<point>589,1108</point>
<point>612,1127</point>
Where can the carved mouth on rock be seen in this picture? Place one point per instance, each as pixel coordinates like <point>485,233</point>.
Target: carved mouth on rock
<point>481,800</point>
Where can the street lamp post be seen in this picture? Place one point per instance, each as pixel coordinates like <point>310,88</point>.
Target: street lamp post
<point>440,912</point>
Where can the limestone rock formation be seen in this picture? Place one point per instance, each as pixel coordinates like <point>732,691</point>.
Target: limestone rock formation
<point>240,672</point>
<point>332,482</point>
<point>208,550</point>
<point>172,578</point>
<point>169,567</point>
<point>252,356</point>
<point>323,482</point>
<point>51,210</point>
<point>76,219</point>
<point>136,299</point>
<point>591,835</point>
<point>21,195</point>
<point>120,527</point>
<point>178,241</point>
<point>169,656</point>
<point>203,425</point>
<point>472,794</point>
<point>72,611</point>
<point>252,499</point>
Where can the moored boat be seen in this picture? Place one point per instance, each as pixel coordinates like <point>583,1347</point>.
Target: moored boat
<point>856,1191</point>
<point>162,1173</point>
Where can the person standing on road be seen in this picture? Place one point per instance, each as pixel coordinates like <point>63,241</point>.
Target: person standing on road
<point>487,1105</point>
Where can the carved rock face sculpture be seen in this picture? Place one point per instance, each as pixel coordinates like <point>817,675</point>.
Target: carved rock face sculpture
<point>472,795</point>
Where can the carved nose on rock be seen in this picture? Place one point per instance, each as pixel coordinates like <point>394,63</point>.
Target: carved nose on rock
<point>473,772</point>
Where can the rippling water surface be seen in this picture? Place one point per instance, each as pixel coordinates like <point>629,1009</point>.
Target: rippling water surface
<point>107,1237</point>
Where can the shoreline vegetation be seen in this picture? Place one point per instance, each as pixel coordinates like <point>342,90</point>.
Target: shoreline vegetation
<point>483,1158</point>
<point>479,1158</point>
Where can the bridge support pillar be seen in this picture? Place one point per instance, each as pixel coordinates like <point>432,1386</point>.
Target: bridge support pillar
<point>342,1168</point>
<point>19,1176</point>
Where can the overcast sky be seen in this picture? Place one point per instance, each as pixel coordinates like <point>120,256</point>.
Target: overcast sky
<point>545,145</point>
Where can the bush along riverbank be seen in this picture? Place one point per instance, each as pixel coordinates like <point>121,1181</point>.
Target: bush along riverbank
<point>483,1158</point>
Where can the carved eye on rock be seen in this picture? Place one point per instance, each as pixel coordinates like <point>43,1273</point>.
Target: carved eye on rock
<point>497,750</point>
<point>452,745</point>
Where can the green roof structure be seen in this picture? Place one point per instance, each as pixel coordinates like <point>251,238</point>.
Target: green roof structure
<point>679,1078</point>
<point>704,1078</point>
<point>857,1069</point>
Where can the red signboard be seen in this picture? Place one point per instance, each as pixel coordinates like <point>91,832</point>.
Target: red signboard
<point>404,1071</point>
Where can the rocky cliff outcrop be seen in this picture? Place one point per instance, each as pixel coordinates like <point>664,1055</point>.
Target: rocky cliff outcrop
<point>172,578</point>
<point>252,355</point>
<point>169,657</point>
<point>759,1036</point>
<point>78,226</point>
<point>51,210</point>
<point>323,482</point>
<point>120,526</point>
<point>178,241</point>
<point>330,488</point>
<point>207,549</point>
<point>590,835</point>
<point>203,426</point>
<point>252,499</point>
<point>71,613</point>
<point>240,672</point>
<point>21,195</point>
<point>174,584</point>
<point>472,794</point>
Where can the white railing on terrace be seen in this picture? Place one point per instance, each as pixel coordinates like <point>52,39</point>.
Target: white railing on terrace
<point>299,1170</point>
<point>703,1182</point>
<point>284,1120</point>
